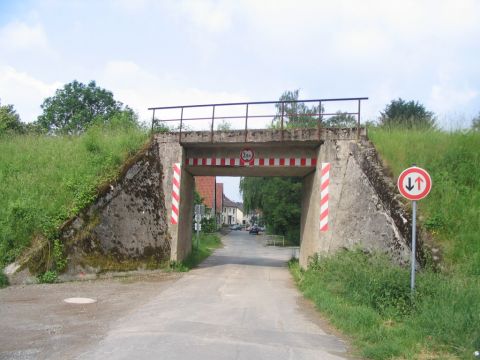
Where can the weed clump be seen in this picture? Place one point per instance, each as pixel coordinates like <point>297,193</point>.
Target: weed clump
<point>3,280</point>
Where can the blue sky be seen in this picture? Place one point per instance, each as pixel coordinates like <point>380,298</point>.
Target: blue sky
<point>154,53</point>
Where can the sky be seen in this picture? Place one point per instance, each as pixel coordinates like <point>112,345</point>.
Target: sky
<point>160,53</point>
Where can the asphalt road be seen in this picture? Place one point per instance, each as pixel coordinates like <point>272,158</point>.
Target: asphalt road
<point>241,303</point>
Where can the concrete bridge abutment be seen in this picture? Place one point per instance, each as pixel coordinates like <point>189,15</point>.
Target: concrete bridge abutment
<point>358,216</point>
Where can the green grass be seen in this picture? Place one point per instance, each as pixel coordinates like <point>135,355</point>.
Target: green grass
<point>369,299</point>
<point>451,212</point>
<point>3,280</point>
<point>47,179</point>
<point>207,244</point>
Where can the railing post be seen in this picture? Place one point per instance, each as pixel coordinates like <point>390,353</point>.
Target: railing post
<point>153,119</point>
<point>213,120</point>
<point>246,123</point>
<point>358,121</point>
<point>180,131</point>
<point>281,122</point>
<point>319,129</point>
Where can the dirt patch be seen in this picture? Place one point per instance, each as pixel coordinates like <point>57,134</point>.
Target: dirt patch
<point>38,324</point>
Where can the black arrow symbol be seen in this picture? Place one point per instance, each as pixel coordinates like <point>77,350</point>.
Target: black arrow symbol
<point>409,185</point>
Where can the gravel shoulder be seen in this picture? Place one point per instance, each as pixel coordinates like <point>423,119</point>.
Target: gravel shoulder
<point>37,324</point>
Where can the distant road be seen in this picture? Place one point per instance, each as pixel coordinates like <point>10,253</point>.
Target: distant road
<point>240,304</point>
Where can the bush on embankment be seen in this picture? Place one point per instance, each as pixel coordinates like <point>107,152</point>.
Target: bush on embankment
<point>369,299</point>
<point>45,180</point>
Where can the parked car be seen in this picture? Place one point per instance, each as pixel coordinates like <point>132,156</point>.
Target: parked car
<point>236,227</point>
<point>254,230</point>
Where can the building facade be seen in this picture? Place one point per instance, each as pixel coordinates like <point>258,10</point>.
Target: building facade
<point>213,200</point>
<point>232,212</point>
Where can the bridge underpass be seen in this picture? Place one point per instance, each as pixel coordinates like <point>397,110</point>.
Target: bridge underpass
<point>356,214</point>
<point>149,211</point>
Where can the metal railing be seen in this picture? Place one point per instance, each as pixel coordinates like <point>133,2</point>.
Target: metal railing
<point>282,115</point>
<point>273,240</point>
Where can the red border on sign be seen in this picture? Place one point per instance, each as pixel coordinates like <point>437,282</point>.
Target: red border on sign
<point>247,161</point>
<point>420,171</point>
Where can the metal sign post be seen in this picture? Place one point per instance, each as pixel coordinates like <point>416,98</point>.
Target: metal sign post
<point>414,184</point>
<point>199,211</point>
<point>414,243</point>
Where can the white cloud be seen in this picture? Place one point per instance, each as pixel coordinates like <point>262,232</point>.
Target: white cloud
<point>25,92</point>
<point>141,89</point>
<point>130,6</point>
<point>360,44</point>
<point>447,98</point>
<point>208,15</point>
<point>18,35</point>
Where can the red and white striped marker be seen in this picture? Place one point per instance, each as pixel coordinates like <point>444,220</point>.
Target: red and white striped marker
<point>175,194</point>
<point>267,162</point>
<point>324,183</point>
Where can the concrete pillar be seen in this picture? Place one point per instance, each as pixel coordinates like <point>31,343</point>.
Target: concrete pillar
<point>311,239</point>
<point>185,220</point>
<point>310,220</point>
<point>171,152</point>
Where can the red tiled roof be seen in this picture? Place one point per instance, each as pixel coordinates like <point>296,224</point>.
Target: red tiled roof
<point>204,186</point>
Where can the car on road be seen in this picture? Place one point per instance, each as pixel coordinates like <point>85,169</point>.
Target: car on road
<point>254,230</point>
<point>236,227</point>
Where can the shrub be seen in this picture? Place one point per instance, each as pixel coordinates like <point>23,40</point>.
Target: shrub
<point>3,280</point>
<point>48,277</point>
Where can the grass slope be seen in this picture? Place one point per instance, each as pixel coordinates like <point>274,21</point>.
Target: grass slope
<point>452,209</point>
<point>47,179</point>
<point>369,299</point>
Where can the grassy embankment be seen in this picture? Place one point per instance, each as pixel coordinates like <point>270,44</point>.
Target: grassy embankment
<point>47,179</point>
<point>369,299</point>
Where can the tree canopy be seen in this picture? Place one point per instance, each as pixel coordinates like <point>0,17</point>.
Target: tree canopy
<point>279,199</point>
<point>10,120</point>
<point>295,114</point>
<point>407,114</point>
<point>76,106</point>
<point>476,123</point>
<point>341,120</point>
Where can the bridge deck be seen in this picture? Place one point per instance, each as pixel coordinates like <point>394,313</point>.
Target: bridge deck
<point>305,137</point>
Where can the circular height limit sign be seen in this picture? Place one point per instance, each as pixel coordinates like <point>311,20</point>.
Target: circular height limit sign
<point>414,183</point>
<point>247,155</point>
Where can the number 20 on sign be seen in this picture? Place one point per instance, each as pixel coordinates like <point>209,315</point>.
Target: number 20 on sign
<point>414,183</point>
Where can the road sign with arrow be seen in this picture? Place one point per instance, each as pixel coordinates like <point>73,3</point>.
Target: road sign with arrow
<point>414,183</point>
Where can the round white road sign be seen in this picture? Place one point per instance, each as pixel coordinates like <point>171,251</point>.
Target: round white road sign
<point>247,155</point>
<point>414,183</point>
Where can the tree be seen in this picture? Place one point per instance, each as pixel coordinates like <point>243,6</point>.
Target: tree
<point>75,107</point>
<point>295,114</point>
<point>407,114</point>
<point>224,126</point>
<point>197,198</point>
<point>341,120</point>
<point>279,200</point>
<point>10,120</point>
<point>476,123</point>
